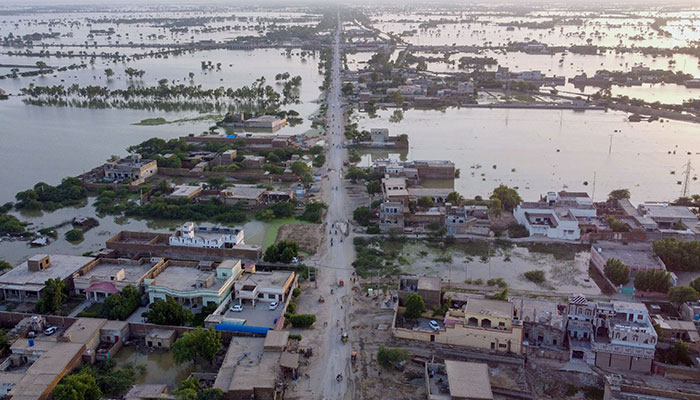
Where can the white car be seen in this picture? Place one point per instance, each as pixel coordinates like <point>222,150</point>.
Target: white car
<point>50,330</point>
<point>434,325</point>
<point>273,305</point>
<point>236,308</point>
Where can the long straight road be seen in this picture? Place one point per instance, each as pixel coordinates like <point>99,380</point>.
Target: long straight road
<point>336,257</point>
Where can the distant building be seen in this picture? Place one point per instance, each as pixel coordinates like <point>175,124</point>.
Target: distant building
<point>269,122</point>
<point>186,191</point>
<point>105,276</point>
<point>160,338</point>
<point>132,168</point>
<point>190,235</point>
<point>249,197</point>
<point>391,216</point>
<point>556,215</point>
<point>379,135</point>
<point>544,322</point>
<point>637,256</point>
<point>394,190</point>
<point>669,216</point>
<point>26,281</point>
<point>457,380</point>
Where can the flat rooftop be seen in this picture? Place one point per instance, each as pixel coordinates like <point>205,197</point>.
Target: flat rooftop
<point>267,279</point>
<point>636,254</point>
<point>469,380</point>
<point>540,311</point>
<point>107,268</point>
<point>247,366</point>
<point>184,278</point>
<point>185,190</point>
<point>667,211</point>
<point>244,192</point>
<point>62,266</point>
<point>495,308</point>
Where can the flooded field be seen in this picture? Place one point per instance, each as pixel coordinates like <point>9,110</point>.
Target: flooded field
<point>566,270</point>
<point>538,151</point>
<point>160,366</point>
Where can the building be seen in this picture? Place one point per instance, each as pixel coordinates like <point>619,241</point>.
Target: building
<point>248,197</point>
<point>253,162</point>
<point>556,215</point>
<point>460,220</point>
<point>457,380</point>
<point>194,285</point>
<point>264,286</point>
<point>379,135</point>
<point>148,391</point>
<point>612,335</point>
<point>637,256</point>
<point>186,191</point>
<point>669,217</point>
<point>248,370</point>
<point>427,287</point>
<point>673,329</point>
<point>391,216</point>
<point>132,168</point>
<point>105,276</point>
<point>618,387</point>
<point>26,281</point>
<point>214,237</point>
<point>483,324</point>
<point>160,338</point>
<point>544,322</point>
<point>39,364</point>
<point>394,190</point>
<point>140,244</point>
<point>267,122</point>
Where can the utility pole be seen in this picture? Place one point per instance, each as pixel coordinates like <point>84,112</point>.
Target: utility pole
<point>610,148</point>
<point>593,194</point>
<point>686,181</point>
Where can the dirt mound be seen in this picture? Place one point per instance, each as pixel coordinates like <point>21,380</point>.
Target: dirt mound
<point>307,235</point>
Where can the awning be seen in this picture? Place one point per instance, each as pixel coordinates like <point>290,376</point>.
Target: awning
<point>103,287</point>
<point>289,360</point>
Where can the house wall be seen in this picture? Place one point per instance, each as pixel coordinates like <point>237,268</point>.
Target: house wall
<point>459,335</point>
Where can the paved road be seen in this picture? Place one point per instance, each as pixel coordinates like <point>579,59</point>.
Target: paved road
<point>335,260</point>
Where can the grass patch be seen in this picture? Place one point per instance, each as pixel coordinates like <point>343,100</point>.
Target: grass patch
<point>94,311</point>
<point>151,122</point>
<point>558,250</point>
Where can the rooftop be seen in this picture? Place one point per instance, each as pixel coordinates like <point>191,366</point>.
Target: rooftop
<point>539,311</point>
<point>664,210</point>
<point>276,339</point>
<point>185,190</point>
<point>631,254</point>
<point>249,193</point>
<point>184,278</point>
<point>62,266</point>
<point>429,283</point>
<point>267,279</point>
<point>107,268</point>
<point>468,380</point>
<point>502,309</point>
<point>247,366</point>
<point>161,333</point>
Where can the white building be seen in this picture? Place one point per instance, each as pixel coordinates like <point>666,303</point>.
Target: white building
<point>264,286</point>
<point>555,216</point>
<point>465,88</point>
<point>215,237</point>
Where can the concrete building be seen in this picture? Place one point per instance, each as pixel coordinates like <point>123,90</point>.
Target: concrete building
<point>617,387</point>
<point>391,216</point>
<point>248,197</point>
<point>556,215</point>
<point>160,338</point>
<point>186,191</point>
<point>40,363</point>
<point>667,216</point>
<point>191,284</point>
<point>253,162</point>
<point>481,324</point>
<point>544,322</point>
<point>394,190</point>
<point>379,135</point>
<point>457,380</point>
<point>26,281</point>
<point>264,286</point>
<point>428,287</point>
<point>132,168</point>
<point>267,122</point>
<point>105,276</point>
<point>637,256</point>
<point>214,237</point>
<point>612,335</point>
<point>248,370</point>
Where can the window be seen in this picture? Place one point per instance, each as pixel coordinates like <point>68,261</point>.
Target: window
<point>501,345</point>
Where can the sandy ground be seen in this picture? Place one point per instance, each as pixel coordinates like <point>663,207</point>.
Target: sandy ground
<point>309,236</point>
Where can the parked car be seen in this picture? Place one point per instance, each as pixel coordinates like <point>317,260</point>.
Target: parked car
<point>273,305</point>
<point>434,325</point>
<point>236,308</point>
<point>50,330</point>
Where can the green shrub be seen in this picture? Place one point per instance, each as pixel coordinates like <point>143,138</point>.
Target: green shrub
<point>373,229</point>
<point>387,356</point>
<point>518,231</point>
<point>295,336</point>
<point>301,320</point>
<point>536,276</point>
<point>292,307</point>
<point>75,236</point>
<point>296,292</point>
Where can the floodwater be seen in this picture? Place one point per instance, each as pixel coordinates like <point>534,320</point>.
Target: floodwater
<point>538,151</point>
<point>16,251</point>
<point>159,366</point>
<point>69,141</point>
<point>568,275</point>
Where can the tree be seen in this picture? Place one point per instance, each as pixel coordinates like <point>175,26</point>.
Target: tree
<point>301,320</point>
<point>198,344</point>
<point>5,265</point>
<point>678,255</point>
<point>426,202</point>
<point>680,295</point>
<point>454,198</point>
<point>80,386</point>
<point>509,197</point>
<point>536,276</point>
<point>299,168</point>
<point>284,251</point>
<point>168,312</point>
<point>653,280</point>
<point>75,235</point>
<point>619,194</point>
<point>616,271</point>
<point>374,186</point>
<point>119,306</point>
<point>695,284</point>
<point>415,306</point>
<point>216,181</point>
<point>362,215</point>
<point>52,297</point>
<point>386,356</point>
<point>616,225</point>
<point>109,73</point>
